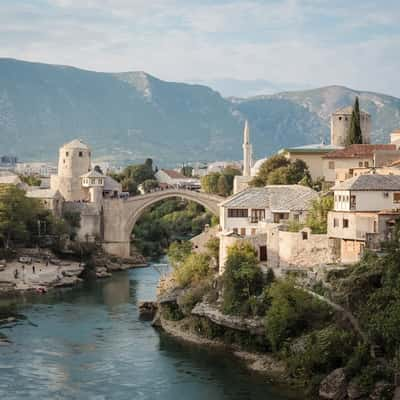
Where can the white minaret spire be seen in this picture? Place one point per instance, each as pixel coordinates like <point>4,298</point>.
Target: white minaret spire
<point>247,151</point>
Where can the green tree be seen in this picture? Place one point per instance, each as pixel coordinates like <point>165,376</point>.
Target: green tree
<point>149,185</point>
<point>209,183</point>
<point>317,218</point>
<point>129,185</point>
<point>278,170</point>
<point>194,269</point>
<point>268,166</point>
<point>292,311</point>
<point>222,185</point>
<point>187,170</point>
<point>178,252</point>
<point>18,215</point>
<point>354,135</point>
<point>242,279</point>
<point>30,180</point>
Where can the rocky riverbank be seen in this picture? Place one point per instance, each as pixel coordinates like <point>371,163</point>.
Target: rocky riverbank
<point>39,270</point>
<point>259,362</point>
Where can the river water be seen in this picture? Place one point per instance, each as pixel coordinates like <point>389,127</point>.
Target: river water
<point>89,343</point>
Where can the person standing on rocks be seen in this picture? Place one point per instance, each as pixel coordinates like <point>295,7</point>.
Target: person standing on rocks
<point>33,269</point>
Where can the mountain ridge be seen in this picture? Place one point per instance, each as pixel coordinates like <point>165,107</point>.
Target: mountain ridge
<point>128,116</point>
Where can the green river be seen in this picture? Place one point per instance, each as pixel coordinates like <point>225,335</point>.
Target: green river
<point>89,343</point>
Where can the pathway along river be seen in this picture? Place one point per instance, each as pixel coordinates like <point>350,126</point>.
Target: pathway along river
<point>89,343</point>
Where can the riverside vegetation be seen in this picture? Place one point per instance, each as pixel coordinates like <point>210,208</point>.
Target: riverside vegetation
<point>299,325</point>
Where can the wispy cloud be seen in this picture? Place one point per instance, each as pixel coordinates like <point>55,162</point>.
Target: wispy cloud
<point>306,42</point>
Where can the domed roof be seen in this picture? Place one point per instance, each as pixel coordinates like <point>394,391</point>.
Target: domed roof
<point>76,144</point>
<point>257,165</point>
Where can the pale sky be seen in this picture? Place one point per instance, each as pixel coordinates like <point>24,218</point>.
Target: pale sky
<point>290,43</point>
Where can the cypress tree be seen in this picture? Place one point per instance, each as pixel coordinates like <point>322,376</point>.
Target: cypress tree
<point>354,135</point>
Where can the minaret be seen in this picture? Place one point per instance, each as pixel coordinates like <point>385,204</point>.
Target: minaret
<point>247,151</point>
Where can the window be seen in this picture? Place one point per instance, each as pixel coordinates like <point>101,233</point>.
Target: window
<point>243,231</point>
<point>396,197</point>
<point>353,202</point>
<point>67,154</point>
<point>385,194</point>
<point>366,164</point>
<point>346,118</point>
<point>263,253</point>
<point>340,118</point>
<point>238,212</point>
<point>257,214</point>
<point>345,223</point>
<point>80,154</point>
<point>360,164</point>
<point>235,230</point>
<point>304,235</point>
<point>253,231</point>
<point>331,165</point>
<point>340,198</point>
<point>335,222</point>
<point>280,216</point>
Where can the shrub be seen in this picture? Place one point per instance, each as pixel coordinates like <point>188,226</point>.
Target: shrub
<point>171,312</point>
<point>178,252</point>
<point>194,269</point>
<point>292,311</point>
<point>192,296</point>
<point>242,279</point>
<point>321,352</point>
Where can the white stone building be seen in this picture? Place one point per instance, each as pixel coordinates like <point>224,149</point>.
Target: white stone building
<point>39,169</point>
<point>51,200</point>
<point>258,215</point>
<point>365,209</point>
<point>175,179</point>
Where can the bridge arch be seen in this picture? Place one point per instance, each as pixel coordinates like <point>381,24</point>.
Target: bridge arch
<point>120,216</point>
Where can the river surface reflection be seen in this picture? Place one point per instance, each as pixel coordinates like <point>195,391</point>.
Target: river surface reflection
<point>89,343</point>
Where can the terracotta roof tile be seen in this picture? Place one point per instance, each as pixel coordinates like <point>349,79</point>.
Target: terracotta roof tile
<point>173,174</point>
<point>359,150</point>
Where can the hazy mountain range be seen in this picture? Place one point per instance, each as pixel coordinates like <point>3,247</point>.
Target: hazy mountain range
<point>131,116</point>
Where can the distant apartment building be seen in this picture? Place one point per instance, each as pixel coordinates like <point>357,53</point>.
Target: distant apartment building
<point>169,178</point>
<point>39,169</point>
<point>365,209</point>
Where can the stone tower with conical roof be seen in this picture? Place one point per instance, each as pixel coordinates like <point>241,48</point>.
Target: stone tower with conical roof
<point>247,151</point>
<point>73,162</point>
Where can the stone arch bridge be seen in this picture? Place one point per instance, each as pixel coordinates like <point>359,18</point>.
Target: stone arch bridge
<point>120,215</point>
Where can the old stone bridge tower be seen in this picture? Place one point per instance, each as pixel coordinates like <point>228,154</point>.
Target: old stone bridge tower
<point>104,215</point>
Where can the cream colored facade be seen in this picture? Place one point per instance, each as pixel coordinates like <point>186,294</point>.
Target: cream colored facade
<point>364,210</point>
<point>340,169</point>
<point>51,200</point>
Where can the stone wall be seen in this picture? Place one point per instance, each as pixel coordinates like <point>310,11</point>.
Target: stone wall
<point>304,250</point>
<point>286,250</point>
<point>90,219</point>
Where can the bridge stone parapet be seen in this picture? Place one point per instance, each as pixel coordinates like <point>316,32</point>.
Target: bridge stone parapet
<point>120,215</point>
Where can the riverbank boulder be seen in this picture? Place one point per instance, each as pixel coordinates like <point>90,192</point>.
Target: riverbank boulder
<point>254,326</point>
<point>334,386</point>
<point>148,309</point>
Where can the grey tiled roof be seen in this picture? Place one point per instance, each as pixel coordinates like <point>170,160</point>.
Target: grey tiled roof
<point>370,182</point>
<point>274,197</point>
